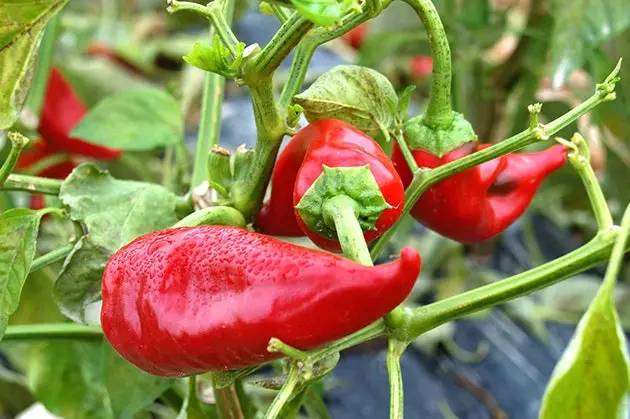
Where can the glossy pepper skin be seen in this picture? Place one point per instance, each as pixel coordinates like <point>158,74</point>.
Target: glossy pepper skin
<point>277,215</point>
<point>193,299</point>
<point>481,202</point>
<point>61,112</point>
<point>335,143</point>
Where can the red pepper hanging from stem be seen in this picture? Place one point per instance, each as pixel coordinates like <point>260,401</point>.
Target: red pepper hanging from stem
<point>188,300</point>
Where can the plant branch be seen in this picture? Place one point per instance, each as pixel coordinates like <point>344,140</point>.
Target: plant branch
<point>52,331</point>
<point>18,143</point>
<point>423,179</point>
<point>31,184</point>
<point>51,257</point>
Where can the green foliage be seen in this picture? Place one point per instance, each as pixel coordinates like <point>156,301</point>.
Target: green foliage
<point>133,120</point>
<point>325,12</point>
<point>216,58</point>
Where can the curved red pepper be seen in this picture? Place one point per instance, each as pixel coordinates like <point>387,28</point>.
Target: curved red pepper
<point>335,143</point>
<point>188,300</point>
<point>481,202</point>
<point>61,112</point>
<point>277,216</point>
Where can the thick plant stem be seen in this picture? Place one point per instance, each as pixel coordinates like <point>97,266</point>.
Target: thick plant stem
<point>340,210</point>
<point>228,404</point>
<point>396,402</point>
<point>211,106</point>
<point>423,319</point>
<point>52,331</point>
<point>32,184</point>
<point>51,257</point>
<point>424,179</point>
<point>439,114</point>
<point>18,143</point>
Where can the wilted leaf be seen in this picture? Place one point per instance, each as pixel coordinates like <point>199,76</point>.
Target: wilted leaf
<point>79,282</point>
<point>21,25</point>
<point>358,95</point>
<point>116,211</point>
<point>133,120</point>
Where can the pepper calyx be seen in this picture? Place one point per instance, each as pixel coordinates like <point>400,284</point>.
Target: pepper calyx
<point>438,141</point>
<point>357,184</point>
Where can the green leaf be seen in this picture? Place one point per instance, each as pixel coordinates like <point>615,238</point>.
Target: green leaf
<point>79,282</point>
<point>130,389</point>
<point>358,95</point>
<point>133,120</point>
<point>325,12</point>
<point>216,58</point>
<point>66,378</point>
<point>116,211</point>
<point>591,379</point>
<point>580,27</point>
<point>18,237</point>
<point>21,25</point>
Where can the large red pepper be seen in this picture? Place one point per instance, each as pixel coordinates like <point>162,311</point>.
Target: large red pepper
<point>62,111</point>
<point>337,144</point>
<point>184,301</point>
<point>481,202</point>
<point>277,216</point>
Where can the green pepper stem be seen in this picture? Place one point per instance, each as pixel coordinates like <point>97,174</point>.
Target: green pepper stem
<point>282,13</point>
<point>211,108</point>
<point>340,210</point>
<point>579,156</point>
<point>52,331</point>
<point>423,179</point>
<point>51,257</point>
<point>618,250</point>
<point>228,403</point>
<point>31,184</point>
<point>18,143</point>
<point>439,114</point>
<point>396,402</point>
<point>284,394</point>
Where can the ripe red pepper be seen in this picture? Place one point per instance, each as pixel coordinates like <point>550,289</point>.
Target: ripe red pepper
<point>187,300</point>
<point>335,143</point>
<point>481,202</point>
<point>421,67</point>
<point>61,112</point>
<point>37,152</point>
<point>277,216</point>
<point>356,36</point>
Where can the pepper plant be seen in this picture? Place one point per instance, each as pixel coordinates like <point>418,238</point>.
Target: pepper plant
<point>189,290</point>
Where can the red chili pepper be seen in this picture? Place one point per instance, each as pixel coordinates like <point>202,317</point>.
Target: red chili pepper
<point>481,202</point>
<point>421,67</point>
<point>356,36</point>
<point>61,112</point>
<point>39,151</point>
<point>277,216</point>
<point>335,143</point>
<point>184,301</point>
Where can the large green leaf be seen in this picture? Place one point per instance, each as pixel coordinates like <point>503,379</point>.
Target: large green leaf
<point>79,282</point>
<point>66,378</point>
<point>116,211</point>
<point>130,389</point>
<point>580,27</point>
<point>134,120</point>
<point>21,26</point>
<point>18,237</point>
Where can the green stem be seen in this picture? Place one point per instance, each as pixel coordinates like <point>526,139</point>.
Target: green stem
<point>18,143</point>
<point>580,159</point>
<point>217,12</point>
<point>211,110</point>
<point>396,402</point>
<point>614,264</point>
<point>284,394</point>
<point>52,331</point>
<point>44,61</point>
<point>318,36</point>
<point>439,114</point>
<point>340,211</point>
<point>46,163</point>
<point>51,257</point>
<point>428,317</point>
<point>228,404</point>
<point>423,179</point>
<point>282,13</point>
<point>370,332</point>
<point>32,184</point>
